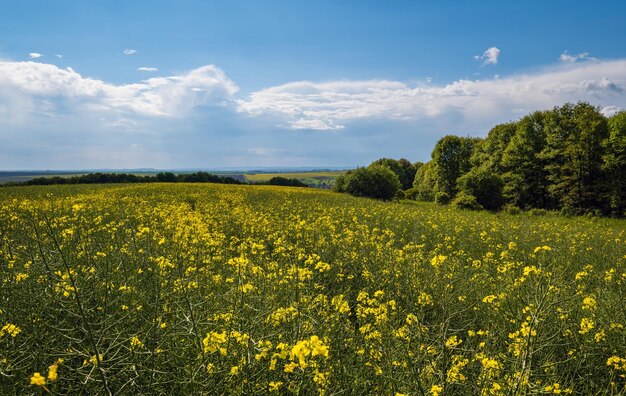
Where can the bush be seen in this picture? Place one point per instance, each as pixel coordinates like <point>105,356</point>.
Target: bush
<point>411,193</point>
<point>442,198</point>
<point>538,212</point>
<point>485,186</point>
<point>466,201</point>
<point>375,181</point>
<point>512,209</point>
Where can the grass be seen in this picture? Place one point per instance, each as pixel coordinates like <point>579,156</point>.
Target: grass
<point>215,289</point>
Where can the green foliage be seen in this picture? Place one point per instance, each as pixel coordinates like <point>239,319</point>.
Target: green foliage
<point>451,158</point>
<point>511,209</point>
<point>615,162</point>
<point>375,181</point>
<point>524,175</point>
<point>464,200</point>
<point>442,198</point>
<point>537,212</point>
<point>575,140</point>
<point>403,168</point>
<point>489,153</point>
<point>424,182</point>
<point>283,181</point>
<point>106,178</point>
<point>411,193</point>
<point>484,186</point>
<point>570,158</point>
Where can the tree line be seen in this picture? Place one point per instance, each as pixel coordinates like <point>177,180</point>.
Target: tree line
<point>161,177</point>
<point>106,178</point>
<point>570,158</point>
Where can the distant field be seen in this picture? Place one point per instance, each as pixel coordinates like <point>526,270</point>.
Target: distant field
<point>7,177</point>
<point>313,179</point>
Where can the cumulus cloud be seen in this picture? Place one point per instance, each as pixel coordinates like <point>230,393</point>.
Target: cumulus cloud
<point>34,55</point>
<point>474,103</point>
<point>129,51</point>
<point>489,57</point>
<point>147,69</point>
<point>568,58</point>
<point>35,86</point>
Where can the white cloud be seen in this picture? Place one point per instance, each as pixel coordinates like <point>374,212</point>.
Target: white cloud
<point>489,57</point>
<point>128,51</point>
<point>474,103</point>
<point>147,69</point>
<point>28,86</point>
<point>58,56</point>
<point>34,55</point>
<point>567,58</point>
<point>609,111</point>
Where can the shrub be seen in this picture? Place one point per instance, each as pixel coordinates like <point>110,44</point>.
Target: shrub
<point>512,209</point>
<point>442,198</point>
<point>538,212</point>
<point>375,181</point>
<point>485,186</point>
<point>466,201</point>
<point>411,193</point>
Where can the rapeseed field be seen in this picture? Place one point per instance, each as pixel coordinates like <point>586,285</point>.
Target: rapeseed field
<point>215,289</point>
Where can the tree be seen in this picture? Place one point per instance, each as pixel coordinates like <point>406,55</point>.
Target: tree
<point>402,168</point>
<point>615,162</point>
<point>523,170</point>
<point>166,177</point>
<point>575,140</point>
<point>424,182</point>
<point>283,181</point>
<point>451,158</point>
<point>375,181</point>
<point>489,153</point>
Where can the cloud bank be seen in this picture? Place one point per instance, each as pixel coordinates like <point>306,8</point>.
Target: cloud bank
<point>29,87</point>
<point>473,103</point>
<point>55,117</point>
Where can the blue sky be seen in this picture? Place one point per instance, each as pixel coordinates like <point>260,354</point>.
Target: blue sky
<point>203,84</point>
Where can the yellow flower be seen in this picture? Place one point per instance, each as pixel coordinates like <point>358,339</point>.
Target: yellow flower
<point>438,260</point>
<point>52,370</point>
<point>37,379</point>
<point>318,348</point>
<point>10,329</point>
<point>589,303</point>
<point>424,299</point>
<point>586,324</point>
<point>135,343</point>
<point>435,390</point>
<point>274,386</point>
<point>453,341</point>
<point>290,367</point>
